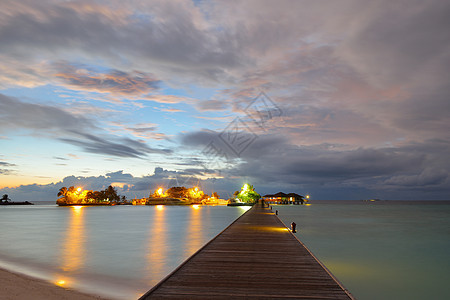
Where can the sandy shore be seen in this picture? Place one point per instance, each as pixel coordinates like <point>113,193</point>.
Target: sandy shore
<point>15,286</point>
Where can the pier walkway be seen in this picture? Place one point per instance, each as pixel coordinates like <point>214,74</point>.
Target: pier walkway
<point>255,257</point>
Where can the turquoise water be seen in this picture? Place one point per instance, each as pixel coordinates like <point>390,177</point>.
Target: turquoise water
<point>118,252</point>
<point>379,250</point>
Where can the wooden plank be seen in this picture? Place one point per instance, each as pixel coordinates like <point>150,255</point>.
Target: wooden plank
<point>255,257</point>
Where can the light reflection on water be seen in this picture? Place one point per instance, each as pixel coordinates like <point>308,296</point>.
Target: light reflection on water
<point>117,252</point>
<point>194,231</point>
<point>73,249</point>
<point>156,252</point>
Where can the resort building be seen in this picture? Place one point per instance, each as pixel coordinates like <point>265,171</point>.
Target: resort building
<point>282,198</point>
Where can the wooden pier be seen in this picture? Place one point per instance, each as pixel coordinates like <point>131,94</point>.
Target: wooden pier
<point>255,257</point>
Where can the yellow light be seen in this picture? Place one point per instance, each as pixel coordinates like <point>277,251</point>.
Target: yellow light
<point>195,206</point>
<point>196,189</point>
<point>307,196</point>
<point>78,189</point>
<point>61,282</point>
<point>245,187</point>
<point>159,207</point>
<point>77,207</point>
<point>160,191</point>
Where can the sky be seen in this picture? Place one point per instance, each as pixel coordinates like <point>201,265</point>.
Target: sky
<point>343,99</point>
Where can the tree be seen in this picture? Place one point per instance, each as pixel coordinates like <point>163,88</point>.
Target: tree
<point>111,194</point>
<point>196,195</point>
<point>177,192</point>
<point>215,195</point>
<point>63,195</point>
<point>62,191</point>
<point>4,198</point>
<point>248,194</point>
<point>98,196</point>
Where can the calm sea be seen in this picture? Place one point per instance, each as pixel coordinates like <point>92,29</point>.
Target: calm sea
<point>118,252</point>
<point>379,250</point>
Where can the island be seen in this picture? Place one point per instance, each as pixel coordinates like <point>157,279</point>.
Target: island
<point>77,196</point>
<point>176,195</point>
<point>6,201</point>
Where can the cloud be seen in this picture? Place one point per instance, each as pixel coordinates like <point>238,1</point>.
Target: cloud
<point>61,125</point>
<point>400,43</point>
<point>169,99</point>
<point>141,130</point>
<point>168,36</point>
<point>115,82</point>
<point>121,147</point>
<point>126,184</point>
<point>15,114</point>
<point>171,110</point>
<point>60,158</point>
<point>364,88</point>
<point>276,161</point>
<point>207,105</point>
<point>5,168</point>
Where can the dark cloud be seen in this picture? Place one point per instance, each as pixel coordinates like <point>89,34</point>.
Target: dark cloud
<point>60,158</point>
<point>273,160</point>
<point>121,147</point>
<point>5,168</point>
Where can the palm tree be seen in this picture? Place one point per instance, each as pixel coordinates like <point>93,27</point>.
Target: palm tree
<point>62,194</point>
<point>111,194</point>
<point>4,198</point>
<point>62,191</point>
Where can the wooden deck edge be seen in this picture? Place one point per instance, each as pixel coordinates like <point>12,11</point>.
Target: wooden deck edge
<point>190,257</point>
<point>323,266</point>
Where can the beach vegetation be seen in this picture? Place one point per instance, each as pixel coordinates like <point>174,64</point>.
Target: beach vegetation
<point>192,195</point>
<point>247,194</point>
<point>72,195</point>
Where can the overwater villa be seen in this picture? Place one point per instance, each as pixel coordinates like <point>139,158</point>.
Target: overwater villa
<point>282,198</point>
